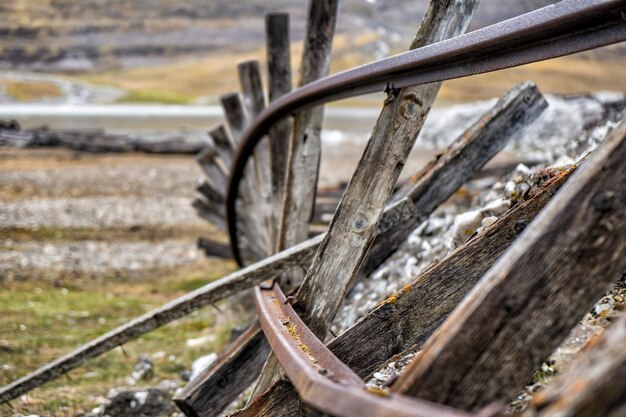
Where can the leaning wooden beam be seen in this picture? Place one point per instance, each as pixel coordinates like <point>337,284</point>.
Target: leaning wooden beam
<point>305,144</point>
<point>251,354</point>
<point>353,227</point>
<point>213,248</point>
<point>445,174</point>
<point>279,83</point>
<point>180,307</point>
<point>532,297</point>
<point>594,385</point>
<point>305,147</point>
<point>410,316</point>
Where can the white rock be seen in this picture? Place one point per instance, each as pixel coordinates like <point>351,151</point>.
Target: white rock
<point>201,364</point>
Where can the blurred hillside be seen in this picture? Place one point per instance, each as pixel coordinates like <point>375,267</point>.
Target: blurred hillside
<point>178,51</point>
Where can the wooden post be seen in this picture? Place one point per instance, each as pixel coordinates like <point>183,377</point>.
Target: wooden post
<point>531,298</point>
<point>237,119</point>
<point>279,81</point>
<point>304,148</point>
<point>305,145</point>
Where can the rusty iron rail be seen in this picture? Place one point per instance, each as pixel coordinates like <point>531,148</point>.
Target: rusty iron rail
<point>561,29</point>
<point>320,378</point>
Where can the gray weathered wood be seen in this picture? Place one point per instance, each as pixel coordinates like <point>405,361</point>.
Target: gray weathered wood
<point>411,315</point>
<point>518,108</point>
<point>92,140</point>
<point>305,149</point>
<point>213,248</point>
<point>254,99</point>
<point>197,396</point>
<point>446,174</point>
<point>353,227</point>
<point>594,385</point>
<point>210,192</point>
<point>216,173</point>
<point>305,144</point>
<point>279,84</point>
<point>223,144</point>
<point>210,211</point>
<point>532,297</point>
<point>237,119</point>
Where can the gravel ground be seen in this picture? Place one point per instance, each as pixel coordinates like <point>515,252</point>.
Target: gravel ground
<point>98,212</point>
<point>57,191</point>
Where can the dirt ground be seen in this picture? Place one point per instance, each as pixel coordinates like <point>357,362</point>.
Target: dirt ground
<point>88,242</point>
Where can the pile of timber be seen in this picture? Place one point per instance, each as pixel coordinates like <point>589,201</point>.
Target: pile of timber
<point>90,140</point>
<point>483,318</point>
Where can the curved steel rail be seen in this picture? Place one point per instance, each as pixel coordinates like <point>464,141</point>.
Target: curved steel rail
<point>564,28</point>
<point>320,378</point>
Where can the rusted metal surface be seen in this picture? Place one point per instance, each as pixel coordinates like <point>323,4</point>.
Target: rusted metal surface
<point>323,381</point>
<point>561,29</point>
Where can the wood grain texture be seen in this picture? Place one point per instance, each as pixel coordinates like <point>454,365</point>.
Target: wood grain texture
<point>305,149</point>
<point>531,298</point>
<point>353,227</point>
<point>411,316</point>
<point>517,109</point>
<point>594,385</point>
<point>252,227</point>
<point>254,100</point>
<point>460,161</point>
<point>305,143</point>
<point>279,81</point>
<point>250,350</point>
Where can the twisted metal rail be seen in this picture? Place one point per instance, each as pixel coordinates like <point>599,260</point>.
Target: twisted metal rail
<point>561,29</point>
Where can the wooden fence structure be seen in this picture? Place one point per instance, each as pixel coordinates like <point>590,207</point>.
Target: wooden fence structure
<point>479,317</point>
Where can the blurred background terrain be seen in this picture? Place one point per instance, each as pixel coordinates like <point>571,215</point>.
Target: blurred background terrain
<point>184,51</point>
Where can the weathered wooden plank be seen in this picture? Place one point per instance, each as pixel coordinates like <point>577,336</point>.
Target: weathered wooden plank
<point>254,99</point>
<point>532,297</point>
<point>237,119</point>
<point>517,109</point>
<point>353,227</point>
<point>207,159</point>
<point>305,144</point>
<point>279,83</point>
<point>411,315</point>
<point>594,385</point>
<point>305,149</point>
<point>223,144</point>
<point>92,140</point>
<point>214,248</point>
<point>446,173</point>
<point>252,354</point>
<point>210,192</point>
<point>210,210</point>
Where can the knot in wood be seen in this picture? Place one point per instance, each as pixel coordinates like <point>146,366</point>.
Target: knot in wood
<point>358,225</point>
<point>411,106</point>
<point>604,201</point>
